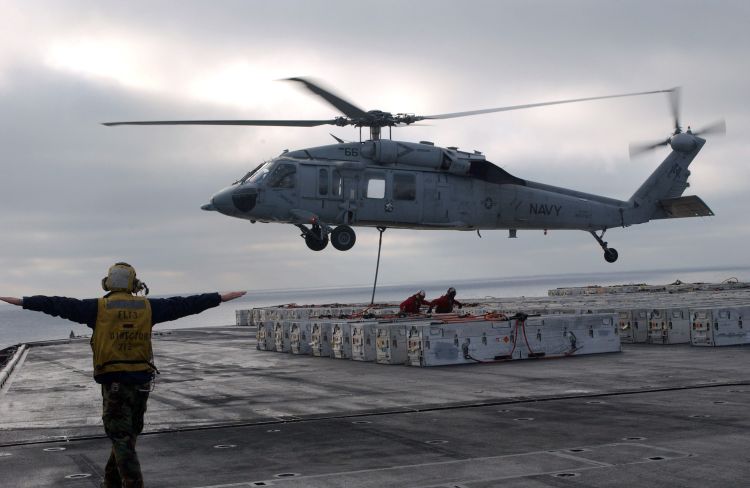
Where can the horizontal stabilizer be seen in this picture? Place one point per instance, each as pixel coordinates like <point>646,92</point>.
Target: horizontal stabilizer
<point>689,206</point>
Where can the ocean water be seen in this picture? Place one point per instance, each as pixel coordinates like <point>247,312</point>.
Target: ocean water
<point>19,326</point>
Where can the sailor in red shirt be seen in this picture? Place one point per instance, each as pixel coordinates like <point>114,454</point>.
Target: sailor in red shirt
<point>445,303</point>
<point>414,302</point>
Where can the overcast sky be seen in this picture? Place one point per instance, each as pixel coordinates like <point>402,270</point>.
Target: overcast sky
<point>78,196</point>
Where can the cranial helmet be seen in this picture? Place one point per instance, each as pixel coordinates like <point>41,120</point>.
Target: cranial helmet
<point>451,291</point>
<point>121,277</point>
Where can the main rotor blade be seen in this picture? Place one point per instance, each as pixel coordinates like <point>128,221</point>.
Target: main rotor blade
<point>719,127</point>
<point>531,105</point>
<point>287,123</point>
<point>346,108</point>
<point>640,148</point>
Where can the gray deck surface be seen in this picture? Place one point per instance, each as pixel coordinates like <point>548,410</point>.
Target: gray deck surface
<point>225,414</point>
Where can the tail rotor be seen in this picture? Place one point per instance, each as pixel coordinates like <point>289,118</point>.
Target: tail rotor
<point>679,141</point>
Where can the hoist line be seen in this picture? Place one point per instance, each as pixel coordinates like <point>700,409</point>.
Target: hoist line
<point>377,266</point>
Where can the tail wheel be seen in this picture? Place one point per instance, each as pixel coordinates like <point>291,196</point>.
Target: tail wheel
<point>315,243</point>
<point>343,238</point>
<point>610,255</point>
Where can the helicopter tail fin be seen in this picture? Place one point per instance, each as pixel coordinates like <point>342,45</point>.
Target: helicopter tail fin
<point>660,196</point>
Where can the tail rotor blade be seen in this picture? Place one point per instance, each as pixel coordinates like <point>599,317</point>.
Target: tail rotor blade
<point>640,148</point>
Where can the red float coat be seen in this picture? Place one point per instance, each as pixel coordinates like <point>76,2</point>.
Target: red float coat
<point>444,304</point>
<point>413,304</point>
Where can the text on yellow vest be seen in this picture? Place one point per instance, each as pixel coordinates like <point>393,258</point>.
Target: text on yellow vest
<point>122,336</point>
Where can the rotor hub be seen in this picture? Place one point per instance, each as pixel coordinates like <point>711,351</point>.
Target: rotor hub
<point>683,142</point>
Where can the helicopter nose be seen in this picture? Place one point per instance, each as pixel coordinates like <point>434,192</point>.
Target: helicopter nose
<point>244,198</point>
<point>222,202</point>
<point>233,200</point>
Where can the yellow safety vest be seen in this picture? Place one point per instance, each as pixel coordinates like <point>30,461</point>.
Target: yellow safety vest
<point>122,336</point>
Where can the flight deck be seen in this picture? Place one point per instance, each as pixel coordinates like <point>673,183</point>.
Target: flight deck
<point>224,414</point>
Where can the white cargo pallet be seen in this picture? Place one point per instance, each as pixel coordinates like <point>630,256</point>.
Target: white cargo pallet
<point>243,317</point>
<point>321,338</point>
<point>479,341</point>
<point>568,335</point>
<point>300,336</point>
<point>341,340</point>
<point>265,336</point>
<point>364,341</point>
<point>720,326</point>
<point>669,326</point>
<point>633,324</point>
<point>391,342</point>
<point>281,339</point>
<point>439,344</point>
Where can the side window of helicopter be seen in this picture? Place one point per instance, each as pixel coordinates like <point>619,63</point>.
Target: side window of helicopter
<point>375,185</point>
<point>336,183</point>
<point>283,176</point>
<point>322,181</point>
<point>404,186</point>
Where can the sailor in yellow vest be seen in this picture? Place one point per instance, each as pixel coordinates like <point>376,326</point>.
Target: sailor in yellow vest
<point>123,357</point>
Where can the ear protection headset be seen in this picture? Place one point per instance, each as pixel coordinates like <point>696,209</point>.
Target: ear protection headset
<point>121,277</point>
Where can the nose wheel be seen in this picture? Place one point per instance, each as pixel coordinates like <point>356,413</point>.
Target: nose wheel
<point>315,237</point>
<point>316,243</point>
<point>610,253</point>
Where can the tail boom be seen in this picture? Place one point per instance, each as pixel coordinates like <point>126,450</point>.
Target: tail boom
<point>660,196</point>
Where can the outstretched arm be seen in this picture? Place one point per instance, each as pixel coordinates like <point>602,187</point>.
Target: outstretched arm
<point>166,309</point>
<point>13,300</point>
<point>80,311</point>
<point>225,297</point>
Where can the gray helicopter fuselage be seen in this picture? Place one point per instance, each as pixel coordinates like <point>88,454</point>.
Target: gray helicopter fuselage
<point>326,190</point>
<point>408,185</point>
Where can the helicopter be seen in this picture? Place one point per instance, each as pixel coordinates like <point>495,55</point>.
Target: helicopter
<point>384,183</point>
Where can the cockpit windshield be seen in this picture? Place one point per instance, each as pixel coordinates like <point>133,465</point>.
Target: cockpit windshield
<point>274,174</point>
<point>258,174</point>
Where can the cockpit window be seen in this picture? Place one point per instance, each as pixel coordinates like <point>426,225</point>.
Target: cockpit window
<point>283,176</point>
<point>258,174</point>
<point>248,174</point>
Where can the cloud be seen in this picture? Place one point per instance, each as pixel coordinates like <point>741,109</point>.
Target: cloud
<point>78,196</point>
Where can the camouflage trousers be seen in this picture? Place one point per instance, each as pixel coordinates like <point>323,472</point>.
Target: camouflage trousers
<point>123,409</point>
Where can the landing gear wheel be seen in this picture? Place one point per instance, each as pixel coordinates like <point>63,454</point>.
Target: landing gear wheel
<point>610,255</point>
<point>316,244</point>
<point>343,237</point>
